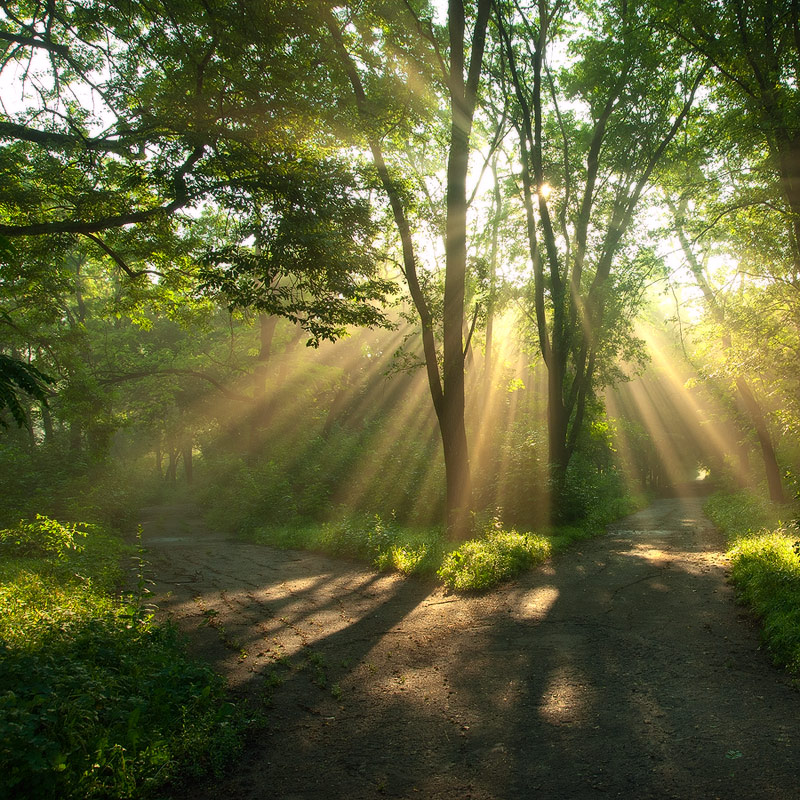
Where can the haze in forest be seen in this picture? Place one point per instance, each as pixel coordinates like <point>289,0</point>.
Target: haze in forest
<point>182,213</point>
<point>442,288</point>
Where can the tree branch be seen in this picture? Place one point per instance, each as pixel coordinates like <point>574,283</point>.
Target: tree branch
<point>91,226</point>
<point>31,41</point>
<point>471,329</point>
<point>118,260</point>
<point>11,130</point>
<point>135,376</point>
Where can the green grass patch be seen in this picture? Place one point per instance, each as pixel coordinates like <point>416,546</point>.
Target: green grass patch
<point>478,564</point>
<point>96,700</point>
<point>384,544</point>
<point>765,559</point>
<point>742,513</point>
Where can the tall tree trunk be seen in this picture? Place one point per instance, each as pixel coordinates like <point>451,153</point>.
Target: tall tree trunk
<point>463,98</point>
<point>490,302</point>
<point>266,331</point>
<point>188,465</point>
<point>75,438</point>
<point>454,434</point>
<point>262,411</point>
<point>557,423</point>
<point>172,469</point>
<point>447,390</point>
<point>771,468</point>
<point>47,424</point>
<point>789,167</point>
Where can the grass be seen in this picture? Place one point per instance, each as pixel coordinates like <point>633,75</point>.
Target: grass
<point>384,544</point>
<point>96,699</point>
<point>479,564</point>
<point>482,563</point>
<point>765,559</point>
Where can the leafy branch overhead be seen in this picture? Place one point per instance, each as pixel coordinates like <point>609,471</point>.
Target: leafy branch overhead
<point>19,378</point>
<point>173,117</point>
<point>305,251</point>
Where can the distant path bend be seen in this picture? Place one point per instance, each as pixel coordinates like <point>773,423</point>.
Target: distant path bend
<point>623,668</point>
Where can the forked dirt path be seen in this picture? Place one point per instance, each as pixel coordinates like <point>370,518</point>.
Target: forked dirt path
<point>623,668</point>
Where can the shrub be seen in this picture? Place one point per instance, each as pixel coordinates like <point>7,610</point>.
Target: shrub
<point>765,568</point>
<point>359,536</point>
<point>480,564</point>
<point>43,537</point>
<point>385,544</point>
<point>96,700</point>
<point>741,513</point>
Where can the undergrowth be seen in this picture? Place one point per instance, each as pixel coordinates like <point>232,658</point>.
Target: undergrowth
<point>96,699</point>
<point>383,543</point>
<point>765,558</point>
<point>495,555</point>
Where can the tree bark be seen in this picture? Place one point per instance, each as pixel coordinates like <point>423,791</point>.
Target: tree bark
<point>490,302</point>
<point>263,410</point>
<point>172,469</point>
<point>771,468</point>
<point>75,438</point>
<point>454,434</point>
<point>188,465</point>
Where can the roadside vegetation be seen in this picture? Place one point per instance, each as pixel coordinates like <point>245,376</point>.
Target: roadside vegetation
<point>96,699</point>
<point>337,492</point>
<point>494,555</point>
<point>764,541</point>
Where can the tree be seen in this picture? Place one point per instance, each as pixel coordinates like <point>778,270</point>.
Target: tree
<point>748,399</point>
<point>460,74</point>
<point>18,377</point>
<point>754,47</point>
<point>752,162</point>
<point>185,120</point>
<point>590,135</point>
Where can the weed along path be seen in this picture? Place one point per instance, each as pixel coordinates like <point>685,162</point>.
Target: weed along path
<point>623,668</point>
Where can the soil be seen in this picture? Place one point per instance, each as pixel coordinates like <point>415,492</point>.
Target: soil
<point>622,668</point>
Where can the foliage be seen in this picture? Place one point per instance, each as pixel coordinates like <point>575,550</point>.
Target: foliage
<point>64,485</point>
<point>42,536</point>
<point>590,135</point>
<point>741,514</point>
<point>304,472</point>
<point>480,564</point>
<point>594,490</point>
<point>97,700</point>
<point>16,376</point>
<point>765,568</point>
<point>313,257</point>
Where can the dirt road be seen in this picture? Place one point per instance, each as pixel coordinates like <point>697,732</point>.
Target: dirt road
<point>623,668</point>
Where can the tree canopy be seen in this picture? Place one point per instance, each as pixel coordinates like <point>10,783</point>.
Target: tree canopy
<point>447,173</point>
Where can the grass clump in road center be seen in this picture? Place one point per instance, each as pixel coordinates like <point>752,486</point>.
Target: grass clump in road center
<point>765,559</point>
<point>96,699</point>
<point>480,564</point>
<point>383,543</point>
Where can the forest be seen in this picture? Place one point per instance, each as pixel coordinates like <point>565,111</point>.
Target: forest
<point>434,289</point>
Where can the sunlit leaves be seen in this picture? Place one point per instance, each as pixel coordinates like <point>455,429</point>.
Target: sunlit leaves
<point>305,251</point>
